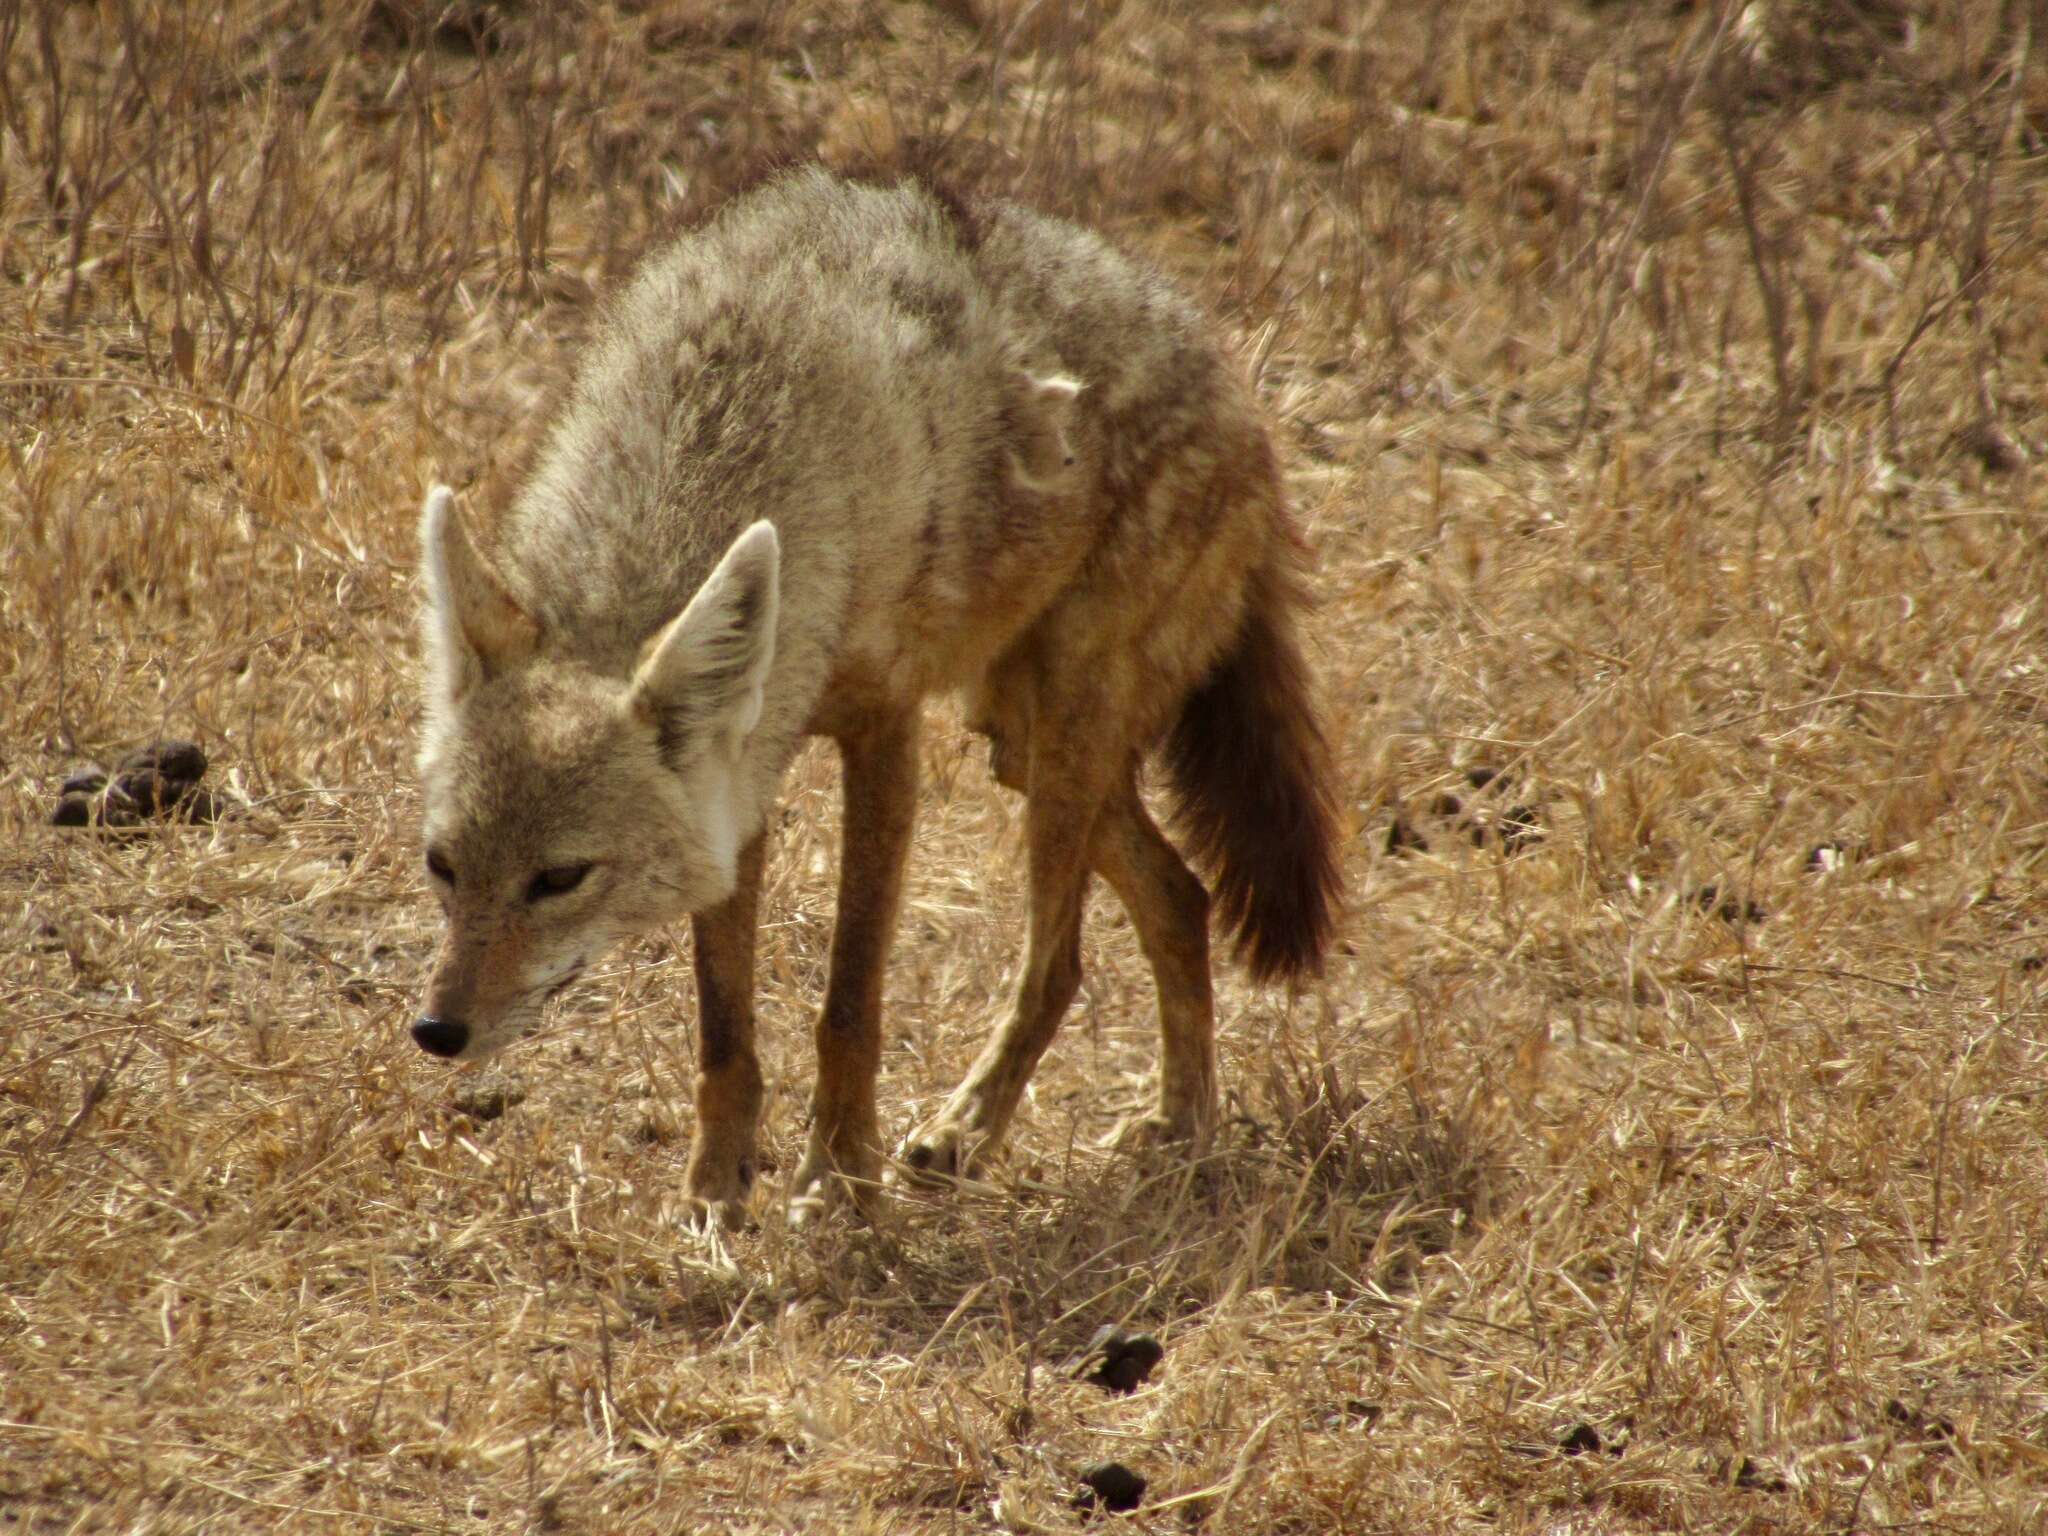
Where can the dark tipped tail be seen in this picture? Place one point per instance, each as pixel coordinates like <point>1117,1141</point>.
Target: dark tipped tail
<point>1251,772</point>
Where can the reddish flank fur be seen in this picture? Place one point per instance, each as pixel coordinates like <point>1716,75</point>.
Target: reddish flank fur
<point>1251,774</point>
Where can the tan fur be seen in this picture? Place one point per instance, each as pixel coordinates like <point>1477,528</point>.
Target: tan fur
<point>997,457</point>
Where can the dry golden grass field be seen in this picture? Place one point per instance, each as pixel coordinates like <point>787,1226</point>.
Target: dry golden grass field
<point>1665,390</point>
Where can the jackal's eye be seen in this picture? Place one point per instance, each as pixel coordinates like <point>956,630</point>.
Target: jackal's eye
<point>558,881</point>
<point>438,867</point>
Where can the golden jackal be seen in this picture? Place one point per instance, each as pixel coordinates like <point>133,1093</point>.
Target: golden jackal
<point>843,447</point>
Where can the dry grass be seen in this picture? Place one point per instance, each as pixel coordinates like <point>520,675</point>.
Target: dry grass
<point>1663,387</point>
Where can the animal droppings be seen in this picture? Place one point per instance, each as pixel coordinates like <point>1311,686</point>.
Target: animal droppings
<point>1921,1425</point>
<point>1511,829</point>
<point>1518,825</point>
<point>1730,909</point>
<point>1992,446</point>
<point>1122,1360</point>
<point>1114,1484</point>
<point>73,810</point>
<point>182,762</point>
<point>159,782</point>
<point>1758,1477</point>
<point>1580,1440</point>
<point>1403,839</point>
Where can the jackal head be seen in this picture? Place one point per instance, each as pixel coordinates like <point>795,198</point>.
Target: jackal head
<point>566,810</point>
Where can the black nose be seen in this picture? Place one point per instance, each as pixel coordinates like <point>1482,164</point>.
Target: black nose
<point>443,1037</point>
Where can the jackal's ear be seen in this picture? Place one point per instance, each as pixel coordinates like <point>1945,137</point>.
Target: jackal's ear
<point>704,675</point>
<point>472,626</point>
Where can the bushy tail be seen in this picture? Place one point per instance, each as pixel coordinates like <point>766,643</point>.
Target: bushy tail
<point>1251,772</point>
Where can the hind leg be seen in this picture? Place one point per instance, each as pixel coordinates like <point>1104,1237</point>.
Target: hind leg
<point>1170,909</point>
<point>1067,785</point>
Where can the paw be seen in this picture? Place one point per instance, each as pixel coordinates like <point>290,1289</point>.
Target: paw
<point>827,1180</point>
<point>1160,1132</point>
<point>716,1190</point>
<point>810,1202</point>
<point>1147,1133</point>
<point>706,1216</point>
<point>940,1152</point>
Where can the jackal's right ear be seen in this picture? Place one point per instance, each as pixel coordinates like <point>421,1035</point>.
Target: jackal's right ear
<point>705,675</point>
<point>472,627</point>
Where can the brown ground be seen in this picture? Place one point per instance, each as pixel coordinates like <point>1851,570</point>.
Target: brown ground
<point>1664,389</point>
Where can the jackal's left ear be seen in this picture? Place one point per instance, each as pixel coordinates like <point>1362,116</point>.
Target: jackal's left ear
<point>473,627</point>
<point>704,676</point>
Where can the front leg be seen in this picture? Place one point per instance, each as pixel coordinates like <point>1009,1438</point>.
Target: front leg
<point>721,1168</point>
<point>879,769</point>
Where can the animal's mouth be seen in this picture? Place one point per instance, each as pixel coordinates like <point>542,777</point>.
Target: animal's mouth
<point>567,980</point>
